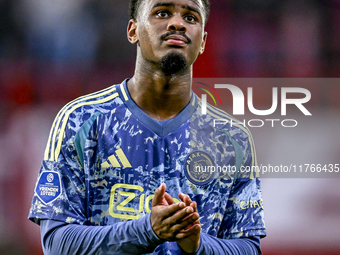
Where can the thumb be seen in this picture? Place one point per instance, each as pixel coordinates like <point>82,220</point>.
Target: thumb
<point>159,195</point>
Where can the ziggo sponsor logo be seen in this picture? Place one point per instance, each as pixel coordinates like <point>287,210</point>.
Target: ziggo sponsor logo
<point>118,208</point>
<point>125,212</point>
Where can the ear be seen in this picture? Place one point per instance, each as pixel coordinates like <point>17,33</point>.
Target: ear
<point>132,32</point>
<point>204,41</point>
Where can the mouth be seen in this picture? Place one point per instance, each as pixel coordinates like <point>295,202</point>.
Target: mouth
<point>176,40</point>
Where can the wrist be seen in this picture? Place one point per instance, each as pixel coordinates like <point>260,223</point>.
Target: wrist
<point>150,230</point>
<point>184,252</point>
<point>186,249</point>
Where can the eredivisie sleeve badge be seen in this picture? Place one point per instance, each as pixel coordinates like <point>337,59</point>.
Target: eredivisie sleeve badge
<point>48,187</point>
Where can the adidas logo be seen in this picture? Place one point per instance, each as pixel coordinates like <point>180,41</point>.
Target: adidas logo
<point>123,161</point>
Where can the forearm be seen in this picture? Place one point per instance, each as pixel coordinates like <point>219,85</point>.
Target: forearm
<point>213,245</point>
<point>132,237</point>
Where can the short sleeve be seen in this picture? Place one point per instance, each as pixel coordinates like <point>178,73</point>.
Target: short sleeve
<point>60,189</point>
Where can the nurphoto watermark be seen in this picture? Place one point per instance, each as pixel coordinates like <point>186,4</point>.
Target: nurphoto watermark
<point>280,99</point>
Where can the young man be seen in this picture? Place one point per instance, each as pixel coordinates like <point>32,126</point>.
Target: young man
<point>124,171</point>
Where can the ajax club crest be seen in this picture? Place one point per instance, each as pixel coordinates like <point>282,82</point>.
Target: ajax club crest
<point>199,168</point>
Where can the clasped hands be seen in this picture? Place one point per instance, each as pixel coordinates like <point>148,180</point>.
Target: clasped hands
<point>176,221</point>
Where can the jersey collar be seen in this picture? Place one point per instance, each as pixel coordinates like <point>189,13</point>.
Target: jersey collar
<point>154,125</point>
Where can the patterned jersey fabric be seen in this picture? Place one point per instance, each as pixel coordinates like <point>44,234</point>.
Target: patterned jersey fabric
<point>105,157</point>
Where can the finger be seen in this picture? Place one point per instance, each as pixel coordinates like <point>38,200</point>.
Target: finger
<point>194,205</point>
<point>184,198</point>
<point>191,228</point>
<point>159,193</point>
<point>194,223</point>
<point>170,210</point>
<point>168,198</point>
<point>187,200</point>
<point>176,217</point>
<point>181,196</point>
<point>194,230</point>
<point>182,224</point>
<point>188,216</point>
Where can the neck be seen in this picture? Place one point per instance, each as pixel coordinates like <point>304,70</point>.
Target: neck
<point>159,96</point>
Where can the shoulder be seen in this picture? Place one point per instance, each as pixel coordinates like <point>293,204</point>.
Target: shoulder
<point>73,115</point>
<point>221,120</point>
<point>236,130</point>
<point>82,108</point>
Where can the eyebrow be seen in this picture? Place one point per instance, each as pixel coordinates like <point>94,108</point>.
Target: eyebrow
<point>167,4</point>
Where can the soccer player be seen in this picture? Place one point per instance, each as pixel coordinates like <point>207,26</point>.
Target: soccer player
<point>137,168</point>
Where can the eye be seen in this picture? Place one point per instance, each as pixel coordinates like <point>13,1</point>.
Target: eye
<point>190,18</point>
<point>162,14</point>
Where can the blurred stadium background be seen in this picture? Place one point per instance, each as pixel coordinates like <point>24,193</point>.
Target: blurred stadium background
<point>54,51</point>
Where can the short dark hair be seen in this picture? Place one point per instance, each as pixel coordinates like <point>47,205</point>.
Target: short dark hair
<point>135,4</point>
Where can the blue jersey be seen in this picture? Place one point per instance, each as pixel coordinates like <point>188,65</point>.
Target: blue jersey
<point>105,157</point>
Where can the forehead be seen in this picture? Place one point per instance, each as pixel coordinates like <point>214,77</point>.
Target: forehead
<point>194,4</point>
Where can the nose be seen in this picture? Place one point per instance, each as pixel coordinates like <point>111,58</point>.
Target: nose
<point>176,23</point>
